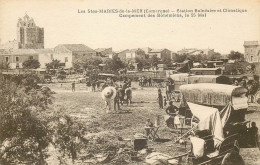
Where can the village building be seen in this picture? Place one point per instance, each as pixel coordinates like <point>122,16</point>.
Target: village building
<point>122,54</point>
<point>146,50</point>
<point>252,51</point>
<point>133,54</point>
<point>14,44</point>
<point>48,55</point>
<point>70,53</point>
<point>160,53</point>
<point>193,51</point>
<point>16,57</point>
<point>104,52</point>
<point>29,36</point>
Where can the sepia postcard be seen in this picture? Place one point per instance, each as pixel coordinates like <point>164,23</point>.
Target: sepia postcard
<point>129,82</point>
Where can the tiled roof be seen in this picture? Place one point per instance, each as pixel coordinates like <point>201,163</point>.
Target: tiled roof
<point>132,50</point>
<point>77,47</point>
<point>44,50</point>
<point>100,49</point>
<point>4,51</point>
<point>156,50</point>
<point>250,43</point>
<point>121,51</point>
<point>19,51</point>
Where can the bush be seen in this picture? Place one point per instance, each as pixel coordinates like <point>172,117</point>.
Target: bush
<point>24,133</point>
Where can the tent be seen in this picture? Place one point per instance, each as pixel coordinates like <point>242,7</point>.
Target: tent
<point>209,119</point>
<point>212,119</point>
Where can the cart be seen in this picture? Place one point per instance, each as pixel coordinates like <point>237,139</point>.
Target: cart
<point>219,111</point>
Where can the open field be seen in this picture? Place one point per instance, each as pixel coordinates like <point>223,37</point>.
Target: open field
<point>88,107</point>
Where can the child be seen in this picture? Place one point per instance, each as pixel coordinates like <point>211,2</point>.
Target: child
<point>148,124</point>
<point>160,98</point>
<point>177,122</point>
<point>164,101</point>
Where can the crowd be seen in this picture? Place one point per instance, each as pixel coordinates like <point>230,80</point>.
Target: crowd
<point>251,85</point>
<point>118,95</point>
<point>144,81</point>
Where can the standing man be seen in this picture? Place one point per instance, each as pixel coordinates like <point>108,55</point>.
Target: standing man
<point>150,81</point>
<point>128,93</point>
<point>129,82</point>
<point>117,100</point>
<point>121,94</point>
<point>73,86</point>
<point>98,85</point>
<point>93,86</point>
<point>160,99</point>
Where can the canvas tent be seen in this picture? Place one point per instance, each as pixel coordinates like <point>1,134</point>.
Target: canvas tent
<point>209,119</point>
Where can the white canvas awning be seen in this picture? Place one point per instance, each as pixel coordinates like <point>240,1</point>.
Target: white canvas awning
<point>209,118</point>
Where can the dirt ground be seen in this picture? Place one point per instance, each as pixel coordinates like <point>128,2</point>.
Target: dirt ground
<point>88,107</point>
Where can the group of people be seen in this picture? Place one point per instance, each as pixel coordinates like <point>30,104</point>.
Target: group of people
<point>251,85</point>
<point>172,111</point>
<point>123,94</point>
<point>143,81</point>
<point>95,85</point>
<point>162,100</point>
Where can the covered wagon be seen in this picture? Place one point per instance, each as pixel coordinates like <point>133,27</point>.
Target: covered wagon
<point>219,79</point>
<point>218,116</point>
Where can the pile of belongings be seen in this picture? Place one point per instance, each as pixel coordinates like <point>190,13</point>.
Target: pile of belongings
<point>157,158</point>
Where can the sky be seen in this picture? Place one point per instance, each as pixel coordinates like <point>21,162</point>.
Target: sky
<point>63,24</point>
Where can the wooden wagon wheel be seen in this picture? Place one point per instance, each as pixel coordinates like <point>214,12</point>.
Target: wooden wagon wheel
<point>233,158</point>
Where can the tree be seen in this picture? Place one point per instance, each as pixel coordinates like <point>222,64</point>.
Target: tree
<point>31,64</point>
<point>55,64</point>
<point>114,65</point>
<point>4,65</point>
<point>214,56</point>
<point>180,58</point>
<point>154,61</point>
<point>235,55</point>
<point>142,63</point>
<point>167,60</point>
<point>87,64</point>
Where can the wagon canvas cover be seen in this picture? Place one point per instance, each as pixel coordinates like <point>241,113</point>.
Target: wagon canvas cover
<point>215,94</point>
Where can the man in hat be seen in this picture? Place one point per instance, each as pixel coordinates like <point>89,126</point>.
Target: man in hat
<point>108,94</point>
